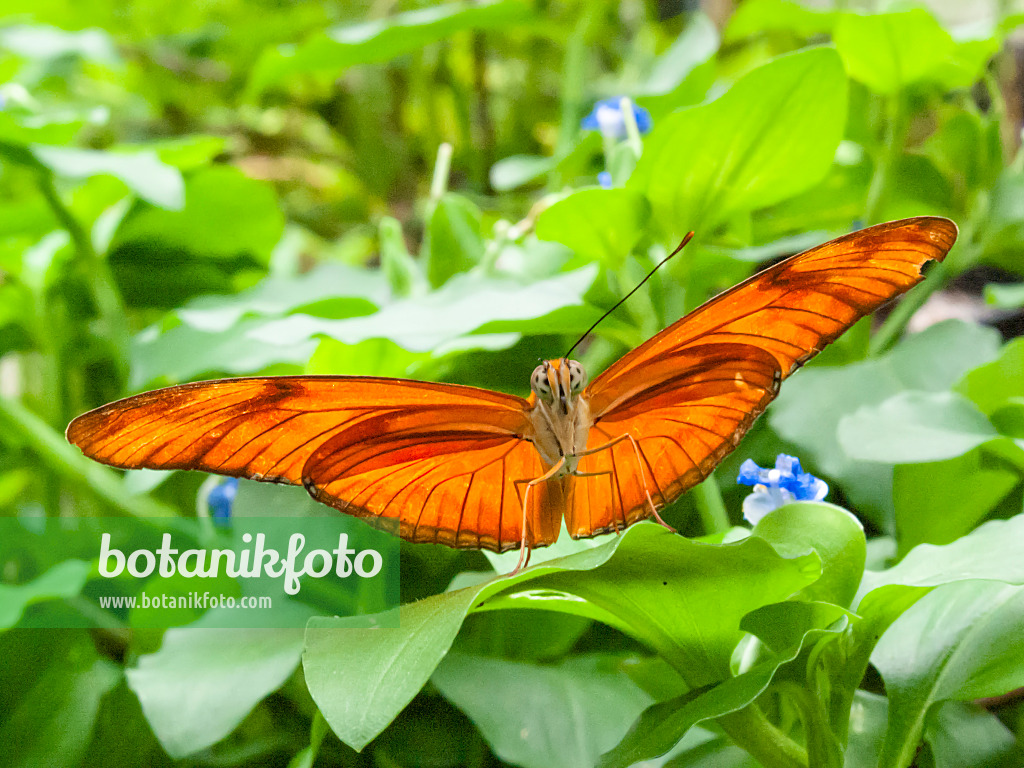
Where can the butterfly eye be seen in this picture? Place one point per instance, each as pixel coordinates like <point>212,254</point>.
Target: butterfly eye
<point>539,382</point>
<point>577,377</point>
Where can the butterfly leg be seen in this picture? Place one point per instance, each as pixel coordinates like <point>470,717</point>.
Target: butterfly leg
<point>524,550</point>
<point>640,466</point>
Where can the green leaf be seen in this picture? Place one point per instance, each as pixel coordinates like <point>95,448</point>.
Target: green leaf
<point>382,40</point>
<point>681,597</point>
<point>772,135</point>
<point>203,681</point>
<point>225,214</point>
<point>329,290</point>
<point>889,51</point>
<point>1005,295</point>
<point>914,427</point>
<point>453,241</point>
<point>54,720</point>
<point>142,171</point>
<point>869,717</point>
<point>565,714</point>
<point>697,44</point>
<point>64,580</point>
<point>464,304</point>
<point>754,18</point>
<point>967,62</point>
<point>938,503</point>
<point>602,224</point>
<point>929,361</point>
<point>661,725</point>
<point>961,641</point>
<point>184,353</point>
<point>989,552</point>
<point>832,532</point>
<point>966,736</point>
<point>994,384</point>
<point>517,170</point>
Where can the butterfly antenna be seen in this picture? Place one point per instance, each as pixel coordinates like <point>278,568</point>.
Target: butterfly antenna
<point>621,301</point>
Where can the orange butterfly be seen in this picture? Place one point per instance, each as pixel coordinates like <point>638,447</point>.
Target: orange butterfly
<point>471,468</point>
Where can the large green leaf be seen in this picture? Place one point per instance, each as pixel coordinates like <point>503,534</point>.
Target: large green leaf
<point>913,427</point>
<point>464,304</point>
<point>203,681</point>
<point>962,641</point>
<point>537,716</point>
<point>832,532</point>
<point>680,597</point>
<point>772,135</point>
<point>329,290</point>
<point>889,51</point>
<point>225,214</point>
<point>184,353</point>
<point>381,40</point>
<point>940,502</point>
<point>602,224</point>
<point>992,551</point>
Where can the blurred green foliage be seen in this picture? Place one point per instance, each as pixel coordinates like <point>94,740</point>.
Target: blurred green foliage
<point>226,188</point>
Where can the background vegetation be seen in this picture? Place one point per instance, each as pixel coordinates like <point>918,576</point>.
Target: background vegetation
<point>227,188</point>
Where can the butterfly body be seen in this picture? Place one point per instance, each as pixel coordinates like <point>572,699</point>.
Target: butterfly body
<point>559,413</point>
<point>471,468</point>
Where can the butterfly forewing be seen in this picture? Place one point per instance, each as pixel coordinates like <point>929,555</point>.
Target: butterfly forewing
<point>687,416</point>
<point>443,459</point>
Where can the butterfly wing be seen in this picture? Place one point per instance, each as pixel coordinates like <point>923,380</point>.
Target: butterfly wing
<point>691,392</point>
<point>442,459</point>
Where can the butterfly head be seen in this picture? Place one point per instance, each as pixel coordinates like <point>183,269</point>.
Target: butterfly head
<point>558,381</point>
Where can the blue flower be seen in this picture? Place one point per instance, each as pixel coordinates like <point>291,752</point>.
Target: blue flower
<point>607,117</point>
<point>220,501</point>
<point>786,483</point>
<point>605,180</point>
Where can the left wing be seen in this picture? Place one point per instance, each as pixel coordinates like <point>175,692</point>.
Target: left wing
<point>442,459</point>
<point>691,392</point>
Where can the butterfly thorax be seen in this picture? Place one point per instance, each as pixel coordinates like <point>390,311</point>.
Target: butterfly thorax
<point>561,413</point>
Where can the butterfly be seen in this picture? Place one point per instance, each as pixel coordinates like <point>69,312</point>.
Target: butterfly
<point>472,468</point>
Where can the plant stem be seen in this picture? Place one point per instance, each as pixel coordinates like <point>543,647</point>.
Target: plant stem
<point>823,751</point>
<point>708,498</point>
<point>96,270</point>
<point>573,84</point>
<point>753,732</point>
<point>897,122</point>
<point>64,460</point>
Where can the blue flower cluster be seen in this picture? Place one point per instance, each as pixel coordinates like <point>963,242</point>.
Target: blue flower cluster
<point>608,118</point>
<point>786,483</point>
<point>220,501</point>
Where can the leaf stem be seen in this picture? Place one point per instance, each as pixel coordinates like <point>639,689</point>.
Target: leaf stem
<point>109,305</point>
<point>65,460</point>
<point>755,733</point>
